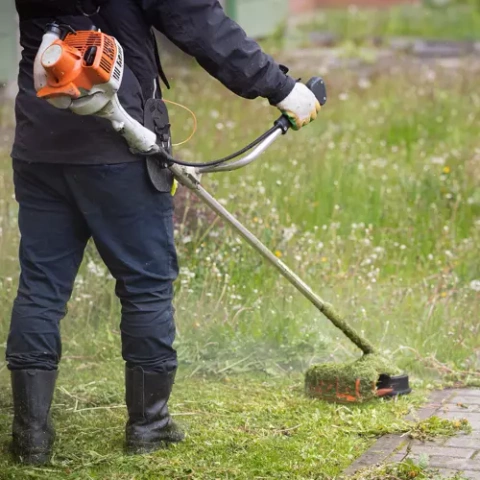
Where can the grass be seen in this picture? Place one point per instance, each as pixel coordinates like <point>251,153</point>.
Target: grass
<point>241,428</point>
<point>450,22</point>
<point>402,471</point>
<point>376,205</point>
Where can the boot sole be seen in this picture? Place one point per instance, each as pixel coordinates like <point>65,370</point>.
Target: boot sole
<point>36,459</point>
<point>141,449</point>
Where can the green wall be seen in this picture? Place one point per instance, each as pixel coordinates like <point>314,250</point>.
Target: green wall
<point>8,41</point>
<point>259,18</point>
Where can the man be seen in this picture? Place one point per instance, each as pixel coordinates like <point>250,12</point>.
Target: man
<point>76,179</point>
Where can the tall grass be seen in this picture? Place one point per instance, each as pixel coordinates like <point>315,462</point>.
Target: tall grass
<point>376,205</point>
<point>451,22</point>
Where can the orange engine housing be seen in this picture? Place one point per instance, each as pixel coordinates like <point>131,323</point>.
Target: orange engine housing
<point>79,62</point>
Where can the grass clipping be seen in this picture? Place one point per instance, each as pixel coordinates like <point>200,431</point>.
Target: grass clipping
<point>406,470</point>
<point>352,382</point>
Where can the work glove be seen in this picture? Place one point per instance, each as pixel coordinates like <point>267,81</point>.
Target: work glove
<point>300,106</point>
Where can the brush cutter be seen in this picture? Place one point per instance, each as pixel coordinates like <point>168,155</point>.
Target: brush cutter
<point>82,71</point>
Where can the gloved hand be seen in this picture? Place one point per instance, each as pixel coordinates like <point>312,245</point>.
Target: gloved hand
<point>300,106</point>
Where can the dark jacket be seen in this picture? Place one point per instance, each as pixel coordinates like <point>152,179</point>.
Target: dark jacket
<point>199,27</point>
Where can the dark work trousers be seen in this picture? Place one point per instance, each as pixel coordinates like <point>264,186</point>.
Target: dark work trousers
<point>131,223</point>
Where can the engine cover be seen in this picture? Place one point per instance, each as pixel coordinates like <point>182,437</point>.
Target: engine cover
<point>82,64</point>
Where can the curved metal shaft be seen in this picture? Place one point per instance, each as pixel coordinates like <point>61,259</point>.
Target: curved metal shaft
<point>188,178</point>
<point>247,159</point>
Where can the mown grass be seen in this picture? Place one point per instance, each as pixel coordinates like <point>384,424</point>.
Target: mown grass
<point>239,428</point>
<point>402,471</point>
<point>449,22</point>
<point>376,205</point>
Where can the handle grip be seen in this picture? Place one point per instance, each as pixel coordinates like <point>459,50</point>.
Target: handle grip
<point>319,89</point>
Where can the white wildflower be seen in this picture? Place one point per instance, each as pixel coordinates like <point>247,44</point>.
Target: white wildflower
<point>430,75</point>
<point>379,162</point>
<point>184,271</point>
<point>95,269</point>
<point>364,83</point>
<point>475,285</point>
<point>438,160</point>
<point>289,232</point>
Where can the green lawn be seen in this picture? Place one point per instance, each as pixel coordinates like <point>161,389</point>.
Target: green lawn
<point>451,22</point>
<point>238,428</point>
<point>377,205</point>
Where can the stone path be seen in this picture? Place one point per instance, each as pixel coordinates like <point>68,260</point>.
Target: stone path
<point>448,455</point>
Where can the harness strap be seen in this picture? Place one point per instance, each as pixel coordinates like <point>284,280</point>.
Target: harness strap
<point>47,9</point>
<point>39,9</point>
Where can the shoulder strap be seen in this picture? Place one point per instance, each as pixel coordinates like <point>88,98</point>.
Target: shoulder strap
<point>31,9</point>
<point>161,72</point>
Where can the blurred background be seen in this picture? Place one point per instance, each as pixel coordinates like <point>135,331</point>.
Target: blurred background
<point>376,204</point>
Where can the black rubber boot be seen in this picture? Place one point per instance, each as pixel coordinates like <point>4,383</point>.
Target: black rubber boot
<point>32,431</point>
<point>150,426</point>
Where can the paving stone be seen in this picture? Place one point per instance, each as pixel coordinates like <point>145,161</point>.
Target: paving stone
<point>388,444</point>
<point>467,399</point>
<point>436,461</point>
<point>468,392</point>
<point>440,396</point>
<point>451,455</point>
<point>460,407</point>
<point>445,472</point>
<point>396,458</point>
<point>366,460</point>
<point>413,444</point>
<point>465,441</point>
<point>422,414</point>
<point>436,448</point>
<point>471,475</point>
<point>450,473</point>
<point>451,452</point>
<point>471,392</point>
<point>472,418</point>
<point>401,43</point>
<point>433,49</point>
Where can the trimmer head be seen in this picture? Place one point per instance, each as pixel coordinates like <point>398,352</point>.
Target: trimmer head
<point>357,382</point>
<point>393,386</point>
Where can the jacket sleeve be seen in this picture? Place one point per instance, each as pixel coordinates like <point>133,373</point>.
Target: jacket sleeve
<point>202,29</point>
